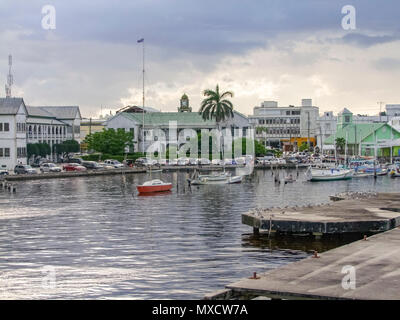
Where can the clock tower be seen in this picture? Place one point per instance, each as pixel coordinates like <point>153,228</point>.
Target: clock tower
<point>184,104</point>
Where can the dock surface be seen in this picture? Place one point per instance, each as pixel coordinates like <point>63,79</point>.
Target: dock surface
<point>377,213</point>
<point>376,263</point>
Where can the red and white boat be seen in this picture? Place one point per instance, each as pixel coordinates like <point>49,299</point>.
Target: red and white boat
<point>154,186</point>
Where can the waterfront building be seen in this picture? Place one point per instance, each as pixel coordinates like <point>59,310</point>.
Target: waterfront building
<point>326,126</point>
<point>21,125</point>
<point>286,127</point>
<point>365,139</point>
<point>157,126</point>
<point>13,114</point>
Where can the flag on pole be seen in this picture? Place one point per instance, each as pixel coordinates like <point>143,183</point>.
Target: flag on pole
<point>140,40</point>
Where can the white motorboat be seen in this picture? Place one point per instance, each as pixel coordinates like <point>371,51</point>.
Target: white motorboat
<point>332,174</point>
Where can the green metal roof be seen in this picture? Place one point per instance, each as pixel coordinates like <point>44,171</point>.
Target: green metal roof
<point>162,118</point>
<point>361,130</point>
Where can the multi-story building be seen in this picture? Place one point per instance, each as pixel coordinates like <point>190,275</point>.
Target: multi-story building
<point>164,129</point>
<point>21,125</point>
<point>13,114</point>
<point>326,126</point>
<point>286,127</point>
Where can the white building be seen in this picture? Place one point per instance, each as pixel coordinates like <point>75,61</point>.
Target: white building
<point>173,128</point>
<point>277,126</point>
<point>21,125</point>
<point>13,114</point>
<point>326,126</point>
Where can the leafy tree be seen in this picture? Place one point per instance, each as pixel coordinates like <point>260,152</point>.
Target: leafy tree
<point>32,149</point>
<point>303,147</point>
<point>43,149</point>
<point>259,149</point>
<point>110,141</point>
<point>66,147</point>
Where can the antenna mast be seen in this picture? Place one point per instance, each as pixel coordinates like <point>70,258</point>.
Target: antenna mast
<point>10,78</point>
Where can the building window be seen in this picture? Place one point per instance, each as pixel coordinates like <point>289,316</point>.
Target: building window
<point>77,129</point>
<point>1,152</point>
<point>6,126</point>
<point>133,132</point>
<point>7,152</point>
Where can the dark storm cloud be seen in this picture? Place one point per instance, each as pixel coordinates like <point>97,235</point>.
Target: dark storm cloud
<point>363,40</point>
<point>195,26</point>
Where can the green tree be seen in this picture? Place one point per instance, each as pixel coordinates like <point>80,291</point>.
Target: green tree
<point>32,149</point>
<point>110,141</point>
<point>340,144</point>
<point>259,149</point>
<point>217,106</point>
<point>66,147</point>
<point>43,149</point>
<point>303,147</point>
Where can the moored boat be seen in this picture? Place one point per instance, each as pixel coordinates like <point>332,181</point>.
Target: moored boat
<point>154,186</point>
<point>329,174</point>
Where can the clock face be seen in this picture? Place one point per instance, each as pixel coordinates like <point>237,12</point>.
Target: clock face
<point>184,103</point>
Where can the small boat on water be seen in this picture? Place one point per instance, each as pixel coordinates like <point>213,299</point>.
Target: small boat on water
<point>367,168</point>
<point>155,185</point>
<point>332,174</point>
<point>153,170</point>
<point>395,171</point>
<point>216,178</point>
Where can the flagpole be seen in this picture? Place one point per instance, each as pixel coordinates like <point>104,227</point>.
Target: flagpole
<point>143,101</point>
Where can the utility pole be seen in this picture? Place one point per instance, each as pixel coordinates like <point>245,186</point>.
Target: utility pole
<point>308,129</point>
<point>355,139</point>
<point>380,110</point>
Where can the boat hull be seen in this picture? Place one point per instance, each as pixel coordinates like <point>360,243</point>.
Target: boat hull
<point>151,189</point>
<point>330,175</point>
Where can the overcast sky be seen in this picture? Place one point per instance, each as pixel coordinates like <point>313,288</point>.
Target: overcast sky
<point>282,50</point>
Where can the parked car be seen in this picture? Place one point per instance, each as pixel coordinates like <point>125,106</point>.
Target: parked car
<point>93,165</point>
<point>24,169</point>
<point>292,160</point>
<point>204,161</point>
<point>74,167</point>
<point>49,167</point>
<point>281,161</point>
<point>216,162</point>
<point>173,162</point>
<point>240,161</point>
<point>75,160</point>
<point>3,172</point>
<point>113,163</point>
<point>227,162</point>
<point>183,161</point>
<point>269,156</point>
<point>193,161</point>
<point>162,162</point>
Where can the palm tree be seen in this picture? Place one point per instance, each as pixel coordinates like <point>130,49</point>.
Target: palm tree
<point>217,106</point>
<point>340,143</point>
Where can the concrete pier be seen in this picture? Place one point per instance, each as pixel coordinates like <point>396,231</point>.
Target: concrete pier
<point>377,213</point>
<point>365,269</point>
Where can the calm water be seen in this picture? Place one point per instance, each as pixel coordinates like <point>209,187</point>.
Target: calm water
<point>101,240</point>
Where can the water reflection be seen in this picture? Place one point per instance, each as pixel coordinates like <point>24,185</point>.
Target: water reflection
<point>105,241</point>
